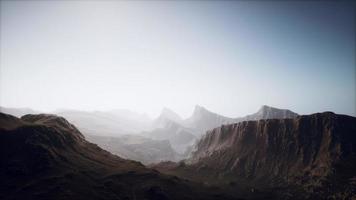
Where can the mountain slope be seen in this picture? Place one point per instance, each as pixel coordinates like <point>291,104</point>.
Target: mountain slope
<point>138,148</point>
<point>312,156</point>
<point>45,157</point>
<point>166,116</point>
<point>108,129</point>
<point>111,123</point>
<point>182,134</point>
<point>268,112</point>
<point>179,136</point>
<point>203,120</point>
<point>18,112</point>
<point>168,126</point>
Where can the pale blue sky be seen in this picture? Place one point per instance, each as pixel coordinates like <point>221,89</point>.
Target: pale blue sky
<point>229,56</point>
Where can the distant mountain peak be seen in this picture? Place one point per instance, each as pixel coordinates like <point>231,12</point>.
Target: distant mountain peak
<point>268,112</point>
<point>203,119</point>
<point>166,118</point>
<point>170,114</point>
<point>197,107</point>
<point>198,110</point>
<point>266,108</point>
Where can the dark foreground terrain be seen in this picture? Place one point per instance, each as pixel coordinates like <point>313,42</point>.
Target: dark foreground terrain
<point>45,157</point>
<point>308,157</point>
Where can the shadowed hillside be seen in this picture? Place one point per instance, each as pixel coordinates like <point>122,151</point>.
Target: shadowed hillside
<point>45,157</point>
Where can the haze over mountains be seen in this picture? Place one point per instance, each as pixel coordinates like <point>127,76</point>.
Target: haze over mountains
<point>46,157</point>
<point>107,123</point>
<point>53,150</point>
<point>135,136</point>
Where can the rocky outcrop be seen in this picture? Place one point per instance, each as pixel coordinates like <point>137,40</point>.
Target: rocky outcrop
<point>182,134</point>
<point>287,147</point>
<point>53,121</point>
<point>316,153</point>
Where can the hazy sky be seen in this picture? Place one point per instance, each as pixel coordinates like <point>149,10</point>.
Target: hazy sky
<point>228,56</point>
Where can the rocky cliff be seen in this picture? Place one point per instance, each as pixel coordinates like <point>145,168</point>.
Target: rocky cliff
<point>313,153</point>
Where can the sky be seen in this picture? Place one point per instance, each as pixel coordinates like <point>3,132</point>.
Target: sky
<point>228,56</point>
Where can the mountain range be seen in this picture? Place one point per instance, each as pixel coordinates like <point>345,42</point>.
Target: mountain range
<point>203,120</point>
<point>168,137</point>
<point>272,154</point>
<point>136,147</point>
<point>46,157</point>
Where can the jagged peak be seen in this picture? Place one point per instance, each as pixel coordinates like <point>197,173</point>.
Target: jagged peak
<point>166,110</point>
<point>201,112</point>
<point>266,108</point>
<point>200,109</point>
<point>169,114</point>
<point>269,112</point>
<point>166,117</point>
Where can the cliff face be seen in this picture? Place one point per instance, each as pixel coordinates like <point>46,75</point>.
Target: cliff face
<point>285,147</point>
<point>316,153</point>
